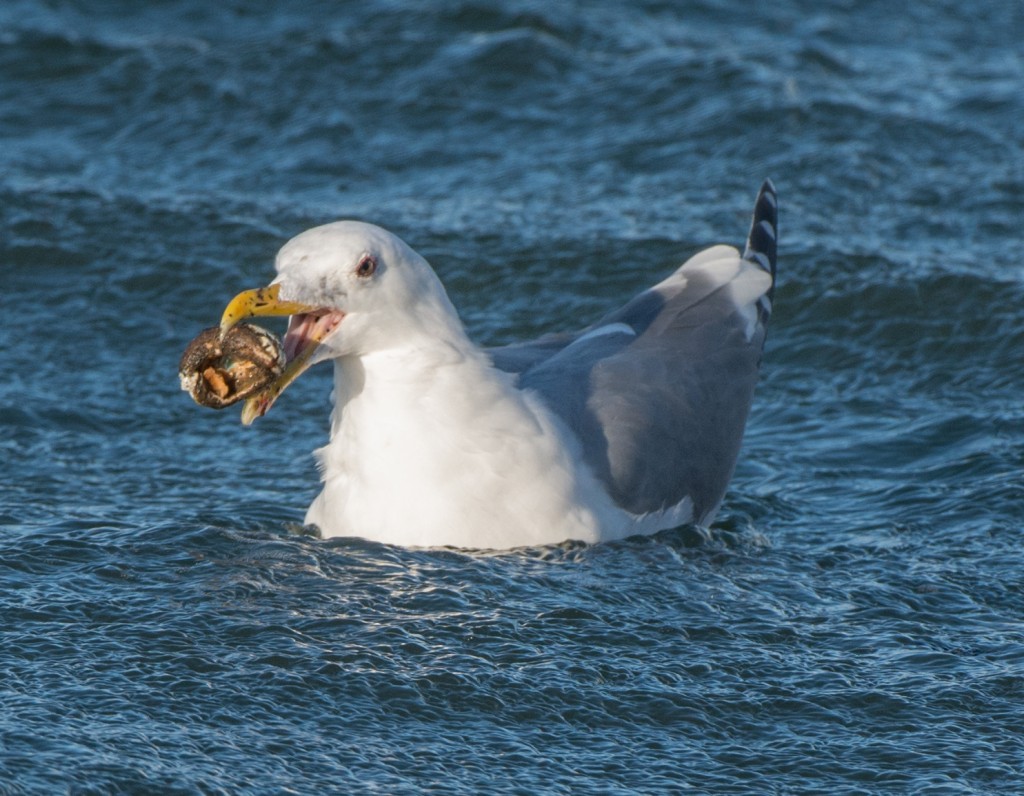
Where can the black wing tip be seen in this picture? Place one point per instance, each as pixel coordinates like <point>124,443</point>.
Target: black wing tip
<point>762,242</point>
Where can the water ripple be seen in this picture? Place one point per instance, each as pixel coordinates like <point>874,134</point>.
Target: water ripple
<point>850,624</point>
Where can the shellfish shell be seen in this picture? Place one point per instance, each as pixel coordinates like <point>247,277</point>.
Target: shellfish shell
<point>220,372</point>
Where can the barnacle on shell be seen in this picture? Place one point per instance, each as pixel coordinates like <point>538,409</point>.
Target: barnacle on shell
<point>220,372</point>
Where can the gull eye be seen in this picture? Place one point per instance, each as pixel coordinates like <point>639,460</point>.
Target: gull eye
<point>367,266</point>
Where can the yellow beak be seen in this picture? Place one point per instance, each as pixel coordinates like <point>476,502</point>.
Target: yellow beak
<point>266,302</point>
<point>261,302</point>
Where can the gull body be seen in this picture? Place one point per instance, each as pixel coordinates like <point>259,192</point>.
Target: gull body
<point>628,426</point>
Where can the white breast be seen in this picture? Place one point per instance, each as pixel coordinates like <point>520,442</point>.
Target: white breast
<point>435,447</point>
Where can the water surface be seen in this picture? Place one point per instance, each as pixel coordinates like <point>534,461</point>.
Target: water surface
<point>852,624</point>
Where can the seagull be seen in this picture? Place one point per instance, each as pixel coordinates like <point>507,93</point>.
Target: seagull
<point>630,426</point>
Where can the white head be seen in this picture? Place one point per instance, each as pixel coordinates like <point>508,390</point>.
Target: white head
<point>351,289</point>
<point>385,290</point>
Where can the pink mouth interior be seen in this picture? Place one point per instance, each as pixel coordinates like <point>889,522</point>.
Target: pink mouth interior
<point>309,329</point>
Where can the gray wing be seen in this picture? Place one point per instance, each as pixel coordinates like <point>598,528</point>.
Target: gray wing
<point>658,392</point>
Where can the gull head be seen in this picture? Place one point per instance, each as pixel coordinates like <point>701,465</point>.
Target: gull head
<point>350,289</point>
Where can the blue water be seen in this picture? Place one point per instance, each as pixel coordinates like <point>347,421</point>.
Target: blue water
<point>854,622</point>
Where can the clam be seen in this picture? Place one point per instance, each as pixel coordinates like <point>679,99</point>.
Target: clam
<point>218,370</point>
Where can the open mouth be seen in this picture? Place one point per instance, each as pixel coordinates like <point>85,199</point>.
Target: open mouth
<point>308,328</point>
<point>306,333</point>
